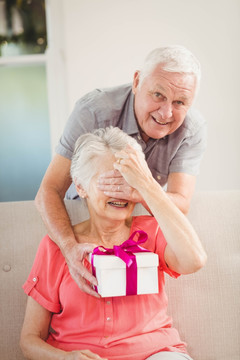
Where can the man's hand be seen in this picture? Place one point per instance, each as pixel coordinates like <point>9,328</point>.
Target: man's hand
<point>114,185</point>
<point>78,271</point>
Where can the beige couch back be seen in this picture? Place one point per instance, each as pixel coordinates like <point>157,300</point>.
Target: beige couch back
<point>205,306</point>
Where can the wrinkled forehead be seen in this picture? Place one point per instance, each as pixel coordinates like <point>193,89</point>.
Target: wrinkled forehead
<point>170,83</point>
<point>177,79</point>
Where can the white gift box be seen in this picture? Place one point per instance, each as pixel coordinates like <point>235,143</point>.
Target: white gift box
<point>111,274</point>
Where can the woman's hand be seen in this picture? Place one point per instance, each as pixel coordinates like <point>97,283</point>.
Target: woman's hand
<point>114,185</point>
<point>131,171</point>
<point>83,355</point>
<point>133,167</point>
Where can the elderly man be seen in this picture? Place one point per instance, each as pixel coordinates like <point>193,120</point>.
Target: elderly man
<point>155,110</point>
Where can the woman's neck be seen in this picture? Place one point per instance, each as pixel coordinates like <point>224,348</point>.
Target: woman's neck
<point>104,232</point>
<point>109,233</point>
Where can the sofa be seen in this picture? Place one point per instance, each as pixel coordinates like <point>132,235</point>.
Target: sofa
<point>205,306</point>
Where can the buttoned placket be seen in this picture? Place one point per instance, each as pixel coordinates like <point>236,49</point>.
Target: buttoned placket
<point>108,319</point>
<point>141,141</point>
<point>147,147</point>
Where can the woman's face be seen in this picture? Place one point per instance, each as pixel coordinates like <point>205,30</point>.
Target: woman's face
<point>99,204</point>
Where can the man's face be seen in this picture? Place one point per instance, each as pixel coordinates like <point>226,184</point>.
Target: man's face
<point>162,101</point>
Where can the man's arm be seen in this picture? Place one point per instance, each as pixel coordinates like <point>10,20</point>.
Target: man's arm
<point>180,189</point>
<point>49,202</point>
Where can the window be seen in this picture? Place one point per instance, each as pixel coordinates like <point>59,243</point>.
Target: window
<point>22,27</point>
<point>25,150</point>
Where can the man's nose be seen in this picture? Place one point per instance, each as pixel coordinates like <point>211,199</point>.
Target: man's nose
<point>165,111</point>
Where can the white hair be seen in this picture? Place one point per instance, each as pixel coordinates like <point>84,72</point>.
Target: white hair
<point>173,58</point>
<point>90,147</point>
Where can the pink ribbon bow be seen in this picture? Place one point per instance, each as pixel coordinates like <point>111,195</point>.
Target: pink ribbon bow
<point>125,252</point>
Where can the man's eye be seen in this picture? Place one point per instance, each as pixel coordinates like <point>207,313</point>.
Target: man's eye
<point>157,94</point>
<point>178,102</point>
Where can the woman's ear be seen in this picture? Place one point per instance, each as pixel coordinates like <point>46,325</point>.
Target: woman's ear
<point>81,192</point>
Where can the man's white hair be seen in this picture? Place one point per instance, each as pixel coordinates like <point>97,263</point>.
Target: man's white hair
<point>173,58</point>
<point>90,147</point>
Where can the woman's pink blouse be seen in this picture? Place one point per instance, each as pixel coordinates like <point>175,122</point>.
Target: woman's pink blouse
<point>123,328</point>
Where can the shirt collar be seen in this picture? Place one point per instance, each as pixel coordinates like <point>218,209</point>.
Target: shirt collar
<point>129,121</point>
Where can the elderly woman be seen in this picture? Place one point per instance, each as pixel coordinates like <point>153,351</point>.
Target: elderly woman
<point>63,322</point>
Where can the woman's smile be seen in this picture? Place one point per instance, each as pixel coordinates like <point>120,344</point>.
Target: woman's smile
<point>118,203</point>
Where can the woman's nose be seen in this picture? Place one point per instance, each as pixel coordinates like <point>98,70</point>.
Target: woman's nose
<point>165,111</point>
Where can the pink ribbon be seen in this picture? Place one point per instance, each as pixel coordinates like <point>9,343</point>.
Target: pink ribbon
<point>125,252</point>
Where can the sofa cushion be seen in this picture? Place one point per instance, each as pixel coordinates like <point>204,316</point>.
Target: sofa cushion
<point>205,306</point>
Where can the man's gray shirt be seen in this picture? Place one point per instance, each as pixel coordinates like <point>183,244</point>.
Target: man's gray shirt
<point>180,151</point>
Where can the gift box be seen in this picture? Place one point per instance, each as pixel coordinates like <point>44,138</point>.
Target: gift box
<point>127,269</point>
<point>111,274</point>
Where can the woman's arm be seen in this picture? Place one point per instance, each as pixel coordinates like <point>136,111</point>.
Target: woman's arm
<point>184,252</point>
<point>180,189</point>
<point>35,332</point>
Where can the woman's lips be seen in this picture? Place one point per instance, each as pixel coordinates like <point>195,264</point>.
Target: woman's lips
<point>119,204</point>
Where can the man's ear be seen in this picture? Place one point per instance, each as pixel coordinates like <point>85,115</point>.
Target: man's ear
<point>80,190</point>
<point>135,81</point>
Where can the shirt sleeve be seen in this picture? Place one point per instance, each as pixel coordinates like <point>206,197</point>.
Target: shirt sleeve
<point>45,276</point>
<point>156,241</point>
<point>190,152</point>
<point>81,121</point>
<point>161,244</point>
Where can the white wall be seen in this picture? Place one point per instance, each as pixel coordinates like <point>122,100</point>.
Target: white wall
<point>105,41</point>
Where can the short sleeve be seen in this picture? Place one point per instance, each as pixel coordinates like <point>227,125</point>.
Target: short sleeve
<point>161,244</point>
<point>190,152</point>
<point>156,241</point>
<point>45,276</point>
<point>81,121</point>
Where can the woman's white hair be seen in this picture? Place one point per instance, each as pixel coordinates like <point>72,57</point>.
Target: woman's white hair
<point>90,147</point>
<point>173,58</point>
